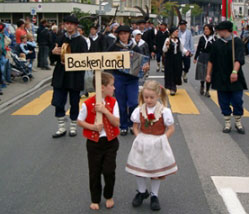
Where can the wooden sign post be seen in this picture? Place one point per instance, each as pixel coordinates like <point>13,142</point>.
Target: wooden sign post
<point>97,62</point>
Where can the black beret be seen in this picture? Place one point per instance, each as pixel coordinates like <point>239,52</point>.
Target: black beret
<point>225,25</point>
<point>71,19</point>
<point>183,22</point>
<point>172,29</point>
<point>124,28</point>
<point>142,21</point>
<point>81,27</point>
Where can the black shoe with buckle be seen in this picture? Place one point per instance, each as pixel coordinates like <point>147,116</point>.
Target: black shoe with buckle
<point>138,200</point>
<point>154,203</point>
<point>123,132</point>
<point>240,130</point>
<point>58,135</point>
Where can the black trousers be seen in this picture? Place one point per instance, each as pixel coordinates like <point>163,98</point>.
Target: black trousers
<point>186,63</point>
<point>102,160</point>
<point>59,101</point>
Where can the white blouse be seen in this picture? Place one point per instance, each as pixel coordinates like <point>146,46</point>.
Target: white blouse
<point>83,114</point>
<point>182,49</point>
<point>167,115</point>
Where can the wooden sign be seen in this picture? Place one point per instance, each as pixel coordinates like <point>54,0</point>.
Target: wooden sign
<point>97,61</point>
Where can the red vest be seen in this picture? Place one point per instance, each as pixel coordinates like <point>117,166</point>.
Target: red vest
<point>111,131</point>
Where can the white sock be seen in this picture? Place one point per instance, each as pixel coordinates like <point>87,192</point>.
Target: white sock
<point>141,184</point>
<point>155,184</point>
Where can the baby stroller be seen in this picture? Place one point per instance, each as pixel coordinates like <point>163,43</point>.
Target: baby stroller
<point>20,68</point>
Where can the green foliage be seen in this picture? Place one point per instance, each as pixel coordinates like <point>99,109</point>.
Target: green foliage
<point>197,10</point>
<point>167,8</point>
<point>86,23</point>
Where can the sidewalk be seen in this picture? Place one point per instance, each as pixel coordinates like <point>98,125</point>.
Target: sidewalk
<point>18,89</point>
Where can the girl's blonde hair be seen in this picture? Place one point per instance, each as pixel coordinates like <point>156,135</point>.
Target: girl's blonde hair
<point>157,88</point>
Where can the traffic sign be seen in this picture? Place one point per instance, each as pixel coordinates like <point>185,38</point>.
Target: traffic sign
<point>33,11</point>
<point>34,19</point>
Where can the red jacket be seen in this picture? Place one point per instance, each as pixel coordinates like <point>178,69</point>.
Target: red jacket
<point>111,131</point>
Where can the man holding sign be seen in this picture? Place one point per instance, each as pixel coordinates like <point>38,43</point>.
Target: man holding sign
<point>67,82</point>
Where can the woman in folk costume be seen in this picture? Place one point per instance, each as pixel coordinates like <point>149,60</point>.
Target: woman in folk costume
<point>151,155</point>
<point>143,46</point>
<point>112,36</point>
<point>126,85</point>
<point>202,54</point>
<point>173,50</point>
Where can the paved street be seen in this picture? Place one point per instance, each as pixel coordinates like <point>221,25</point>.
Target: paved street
<point>41,175</point>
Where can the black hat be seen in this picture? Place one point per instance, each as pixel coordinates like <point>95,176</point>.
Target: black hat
<point>225,25</point>
<point>124,28</point>
<point>163,23</point>
<point>81,27</point>
<point>141,21</point>
<point>94,26</point>
<point>19,23</point>
<point>183,22</point>
<point>172,29</point>
<point>71,19</point>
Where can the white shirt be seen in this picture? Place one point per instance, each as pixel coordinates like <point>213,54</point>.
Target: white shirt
<point>83,114</point>
<point>183,38</point>
<point>167,115</point>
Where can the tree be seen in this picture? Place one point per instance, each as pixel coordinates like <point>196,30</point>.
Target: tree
<point>87,22</point>
<point>196,11</point>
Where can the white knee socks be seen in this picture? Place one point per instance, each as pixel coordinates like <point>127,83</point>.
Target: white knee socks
<point>141,184</point>
<point>155,184</point>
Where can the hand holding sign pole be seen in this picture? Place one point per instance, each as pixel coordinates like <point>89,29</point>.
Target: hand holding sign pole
<point>97,62</point>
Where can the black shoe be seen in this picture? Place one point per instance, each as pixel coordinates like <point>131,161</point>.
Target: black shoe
<point>227,130</point>
<point>154,203</point>
<point>240,130</point>
<point>72,134</point>
<point>123,132</point>
<point>138,200</point>
<point>59,135</point>
<point>207,94</point>
<point>1,93</point>
<point>172,93</point>
<point>202,90</point>
<point>185,80</point>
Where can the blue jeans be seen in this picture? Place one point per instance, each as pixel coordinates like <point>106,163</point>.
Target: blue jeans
<point>5,69</point>
<point>126,93</point>
<point>234,98</point>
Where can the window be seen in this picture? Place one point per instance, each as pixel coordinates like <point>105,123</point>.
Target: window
<point>240,10</point>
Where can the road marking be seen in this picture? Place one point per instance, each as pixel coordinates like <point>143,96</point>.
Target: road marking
<point>36,106</point>
<point>155,77</point>
<point>82,99</point>
<point>227,187</point>
<point>181,103</point>
<point>214,97</point>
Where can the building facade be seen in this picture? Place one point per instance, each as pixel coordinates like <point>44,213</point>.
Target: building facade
<point>56,10</point>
